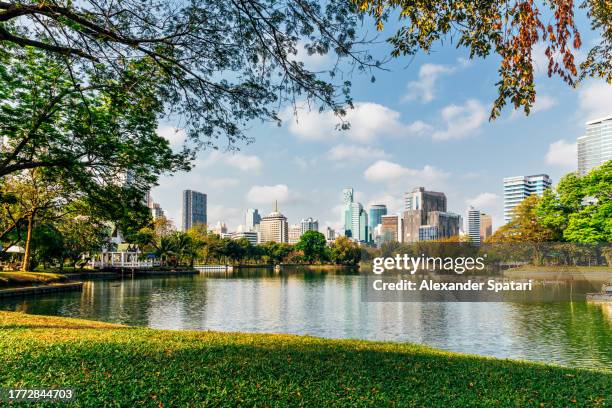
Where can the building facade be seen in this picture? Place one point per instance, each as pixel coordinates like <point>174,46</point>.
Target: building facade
<point>595,147</point>
<point>273,227</point>
<point>473,225</point>
<point>354,217</point>
<point>252,219</point>
<point>424,209</point>
<point>516,189</point>
<point>294,234</point>
<point>486,226</point>
<point>390,228</point>
<point>309,224</point>
<point>330,234</point>
<point>194,209</point>
<point>250,236</point>
<point>375,214</point>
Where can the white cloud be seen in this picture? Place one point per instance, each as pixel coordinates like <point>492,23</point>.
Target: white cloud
<point>562,153</point>
<point>423,88</point>
<point>543,102</point>
<point>483,201</point>
<point>238,160</point>
<point>368,121</point>
<point>386,171</point>
<point>269,194</point>
<point>222,182</point>
<point>352,152</point>
<point>176,137</point>
<point>231,216</point>
<point>461,121</point>
<point>394,202</point>
<point>595,100</point>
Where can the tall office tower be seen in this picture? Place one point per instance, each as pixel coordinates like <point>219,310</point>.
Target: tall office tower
<point>595,148</point>
<point>516,189</point>
<point>194,209</point>
<point>358,230</point>
<point>156,211</point>
<point>376,212</point>
<point>425,217</point>
<point>473,225</point>
<point>274,227</point>
<point>309,224</point>
<point>252,218</point>
<point>294,234</point>
<point>486,226</point>
<point>330,234</point>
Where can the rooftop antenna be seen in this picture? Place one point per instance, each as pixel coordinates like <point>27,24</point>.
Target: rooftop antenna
<point>276,205</point>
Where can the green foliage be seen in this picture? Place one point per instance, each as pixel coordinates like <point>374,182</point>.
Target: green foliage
<point>343,251</point>
<point>184,368</point>
<point>313,246</point>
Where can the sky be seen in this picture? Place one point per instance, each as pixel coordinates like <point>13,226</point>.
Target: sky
<point>423,122</point>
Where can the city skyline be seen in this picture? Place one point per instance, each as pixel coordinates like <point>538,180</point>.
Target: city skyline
<point>416,125</point>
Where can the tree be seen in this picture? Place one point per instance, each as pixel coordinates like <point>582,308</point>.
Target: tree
<point>526,225</point>
<point>82,235</point>
<point>509,28</point>
<point>217,64</point>
<point>345,252</point>
<point>313,245</point>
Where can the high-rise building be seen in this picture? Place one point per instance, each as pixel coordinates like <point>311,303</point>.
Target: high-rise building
<point>354,217</point>
<point>194,209</point>
<point>330,234</point>
<point>391,228</point>
<point>294,234</point>
<point>428,209</point>
<point>274,227</point>
<point>252,219</point>
<point>250,236</point>
<point>309,224</point>
<point>516,189</point>
<point>473,225</point>
<point>376,212</point>
<point>486,226</point>
<point>595,148</point>
<point>156,211</point>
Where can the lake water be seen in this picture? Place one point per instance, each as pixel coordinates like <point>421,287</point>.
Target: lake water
<point>330,305</point>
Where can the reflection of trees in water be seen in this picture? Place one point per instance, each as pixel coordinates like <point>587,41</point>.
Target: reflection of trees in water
<point>574,331</point>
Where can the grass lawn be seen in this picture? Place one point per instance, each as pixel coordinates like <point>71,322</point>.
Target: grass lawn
<point>110,365</point>
<point>21,279</point>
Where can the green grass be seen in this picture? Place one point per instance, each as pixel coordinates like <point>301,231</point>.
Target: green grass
<point>110,365</point>
<point>21,279</point>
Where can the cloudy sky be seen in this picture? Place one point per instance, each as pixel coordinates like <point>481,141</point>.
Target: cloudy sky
<point>422,123</point>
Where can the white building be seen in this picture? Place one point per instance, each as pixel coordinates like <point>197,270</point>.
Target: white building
<point>595,148</point>
<point>274,227</point>
<point>251,236</point>
<point>473,225</point>
<point>516,189</point>
<point>252,219</point>
<point>295,232</point>
<point>309,224</point>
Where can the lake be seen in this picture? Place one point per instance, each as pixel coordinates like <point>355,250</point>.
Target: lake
<point>330,305</point>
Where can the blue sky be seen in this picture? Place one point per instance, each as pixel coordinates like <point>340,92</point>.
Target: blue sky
<point>422,123</point>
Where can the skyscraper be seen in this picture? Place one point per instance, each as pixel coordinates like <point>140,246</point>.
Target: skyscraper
<point>486,226</point>
<point>309,224</point>
<point>252,218</point>
<point>294,234</point>
<point>473,225</point>
<point>516,189</point>
<point>274,227</point>
<point>425,216</point>
<point>595,148</point>
<point>194,209</point>
<point>391,228</point>
<point>354,218</point>
<point>376,213</point>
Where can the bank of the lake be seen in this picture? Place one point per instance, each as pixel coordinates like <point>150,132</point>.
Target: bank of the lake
<point>599,273</point>
<point>117,365</point>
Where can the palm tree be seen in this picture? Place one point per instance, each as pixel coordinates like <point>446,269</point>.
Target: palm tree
<point>165,248</point>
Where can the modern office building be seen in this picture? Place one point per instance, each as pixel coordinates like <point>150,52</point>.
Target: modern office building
<point>473,225</point>
<point>595,147</point>
<point>376,212</point>
<point>486,226</point>
<point>516,189</point>
<point>428,209</point>
<point>156,211</point>
<point>274,227</point>
<point>250,236</point>
<point>294,234</point>
<point>330,234</point>
<point>390,228</point>
<point>354,218</point>
<point>309,224</point>
<point>252,219</point>
<point>194,209</point>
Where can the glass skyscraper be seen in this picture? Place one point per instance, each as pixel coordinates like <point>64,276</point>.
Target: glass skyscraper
<point>194,209</point>
<point>516,189</point>
<point>595,148</point>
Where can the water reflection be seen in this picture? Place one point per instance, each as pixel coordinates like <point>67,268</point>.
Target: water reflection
<point>330,305</point>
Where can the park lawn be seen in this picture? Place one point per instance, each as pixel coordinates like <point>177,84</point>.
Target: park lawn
<point>21,279</point>
<point>112,365</point>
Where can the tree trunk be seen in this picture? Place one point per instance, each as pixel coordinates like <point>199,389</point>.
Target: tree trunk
<point>26,255</point>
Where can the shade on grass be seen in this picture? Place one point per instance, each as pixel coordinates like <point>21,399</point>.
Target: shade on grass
<point>20,279</point>
<point>110,365</point>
